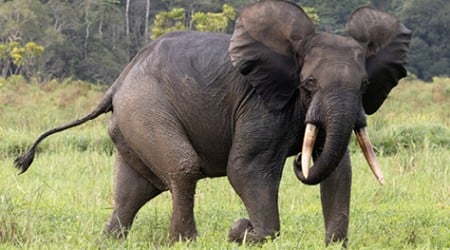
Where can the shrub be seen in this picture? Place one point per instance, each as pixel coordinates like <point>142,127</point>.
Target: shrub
<point>411,137</point>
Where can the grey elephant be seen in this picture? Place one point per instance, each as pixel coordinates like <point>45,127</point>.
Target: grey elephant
<point>192,105</point>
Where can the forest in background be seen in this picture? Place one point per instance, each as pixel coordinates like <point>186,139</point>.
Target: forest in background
<point>93,40</point>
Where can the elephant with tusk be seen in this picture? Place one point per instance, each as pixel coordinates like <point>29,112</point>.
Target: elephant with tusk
<point>193,105</point>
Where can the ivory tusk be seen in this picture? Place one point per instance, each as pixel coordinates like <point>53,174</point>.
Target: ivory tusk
<point>307,148</point>
<point>369,154</point>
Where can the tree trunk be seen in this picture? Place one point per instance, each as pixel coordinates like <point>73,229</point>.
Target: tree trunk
<point>127,27</point>
<point>5,68</point>
<point>87,32</point>
<point>147,14</point>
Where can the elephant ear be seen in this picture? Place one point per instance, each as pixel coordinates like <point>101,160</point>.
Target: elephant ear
<point>387,42</point>
<point>263,48</point>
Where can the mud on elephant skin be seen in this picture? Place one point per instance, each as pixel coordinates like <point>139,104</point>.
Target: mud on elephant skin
<point>193,105</point>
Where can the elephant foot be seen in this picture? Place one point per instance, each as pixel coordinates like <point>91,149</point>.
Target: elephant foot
<point>115,229</point>
<point>242,231</point>
<point>338,240</point>
<point>116,232</point>
<point>182,237</point>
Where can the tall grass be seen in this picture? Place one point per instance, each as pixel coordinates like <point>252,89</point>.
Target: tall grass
<point>64,199</point>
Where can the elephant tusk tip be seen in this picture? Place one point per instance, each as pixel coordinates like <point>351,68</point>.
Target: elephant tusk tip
<point>305,166</point>
<point>369,154</point>
<point>298,164</point>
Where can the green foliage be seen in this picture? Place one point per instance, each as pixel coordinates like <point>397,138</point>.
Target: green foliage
<point>67,96</point>
<point>429,55</point>
<point>410,137</point>
<point>167,21</point>
<point>312,13</point>
<point>25,20</point>
<point>333,14</point>
<point>88,39</point>
<point>422,123</point>
<point>14,57</point>
<point>176,19</point>
<point>214,22</point>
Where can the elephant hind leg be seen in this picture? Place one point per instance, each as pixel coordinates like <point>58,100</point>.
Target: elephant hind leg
<point>182,224</point>
<point>131,192</point>
<point>185,171</point>
<point>171,157</point>
<point>166,157</point>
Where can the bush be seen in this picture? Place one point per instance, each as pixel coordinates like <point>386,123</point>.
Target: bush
<point>411,137</point>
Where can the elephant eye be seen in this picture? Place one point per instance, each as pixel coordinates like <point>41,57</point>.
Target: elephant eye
<point>308,84</point>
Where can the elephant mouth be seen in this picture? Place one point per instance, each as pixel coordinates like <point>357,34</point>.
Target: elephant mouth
<point>364,142</point>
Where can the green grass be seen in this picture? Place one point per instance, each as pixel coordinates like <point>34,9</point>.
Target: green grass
<point>63,201</point>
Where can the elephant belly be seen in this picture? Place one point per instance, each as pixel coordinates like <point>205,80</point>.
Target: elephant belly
<point>212,144</point>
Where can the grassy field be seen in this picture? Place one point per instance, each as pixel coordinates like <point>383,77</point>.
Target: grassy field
<point>64,199</point>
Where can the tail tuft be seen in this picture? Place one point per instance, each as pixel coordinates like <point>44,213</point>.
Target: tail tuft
<point>24,161</point>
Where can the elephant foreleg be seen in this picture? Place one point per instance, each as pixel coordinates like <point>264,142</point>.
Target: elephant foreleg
<point>258,189</point>
<point>335,197</point>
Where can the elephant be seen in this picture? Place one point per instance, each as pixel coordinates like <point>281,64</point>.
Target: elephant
<point>192,105</point>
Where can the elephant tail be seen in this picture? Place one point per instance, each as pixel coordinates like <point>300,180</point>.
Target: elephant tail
<point>24,161</point>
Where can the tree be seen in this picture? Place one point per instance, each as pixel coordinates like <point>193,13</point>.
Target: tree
<point>430,49</point>
<point>22,40</point>
<point>147,14</point>
<point>94,39</point>
<point>176,19</point>
<point>15,57</point>
<point>167,21</point>
<point>312,14</point>
<point>333,13</point>
<point>127,25</point>
<point>214,22</point>
<point>22,20</point>
<point>93,45</point>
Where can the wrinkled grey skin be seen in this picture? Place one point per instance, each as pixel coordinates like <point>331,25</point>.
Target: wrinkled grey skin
<point>181,112</point>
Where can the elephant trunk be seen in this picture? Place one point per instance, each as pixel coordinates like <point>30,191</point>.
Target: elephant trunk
<point>337,117</point>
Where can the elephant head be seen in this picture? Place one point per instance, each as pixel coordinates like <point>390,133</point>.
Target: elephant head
<point>337,79</point>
